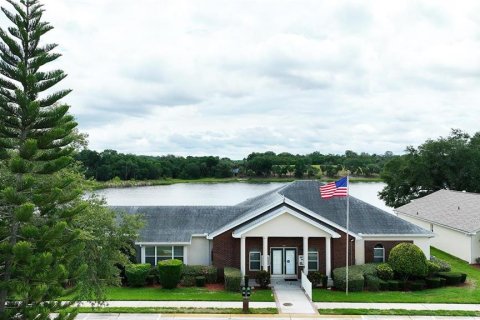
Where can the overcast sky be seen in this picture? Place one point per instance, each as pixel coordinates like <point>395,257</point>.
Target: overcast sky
<point>231,77</point>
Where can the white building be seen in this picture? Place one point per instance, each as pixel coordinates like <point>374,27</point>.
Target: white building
<point>454,218</point>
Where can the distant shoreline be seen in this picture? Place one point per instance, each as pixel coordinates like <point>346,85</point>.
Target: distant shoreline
<point>98,185</point>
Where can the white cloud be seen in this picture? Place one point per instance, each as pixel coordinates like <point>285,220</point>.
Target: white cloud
<point>232,77</point>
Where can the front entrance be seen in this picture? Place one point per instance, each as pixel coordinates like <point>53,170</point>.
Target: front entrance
<point>284,261</point>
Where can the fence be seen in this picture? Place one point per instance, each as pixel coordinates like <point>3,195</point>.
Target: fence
<point>306,286</point>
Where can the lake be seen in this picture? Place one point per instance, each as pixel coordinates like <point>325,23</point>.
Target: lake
<point>217,193</point>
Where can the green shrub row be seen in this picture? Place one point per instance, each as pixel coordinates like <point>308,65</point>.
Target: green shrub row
<point>317,278</point>
<point>170,272</point>
<point>452,278</point>
<point>209,272</point>
<point>233,279</point>
<point>137,274</point>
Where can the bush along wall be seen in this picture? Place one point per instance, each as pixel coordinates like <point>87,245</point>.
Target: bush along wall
<point>233,278</point>
<point>209,272</point>
<point>137,274</point>
<point>170,272</point>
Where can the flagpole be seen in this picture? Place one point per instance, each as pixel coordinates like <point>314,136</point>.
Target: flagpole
<point>347,240</point>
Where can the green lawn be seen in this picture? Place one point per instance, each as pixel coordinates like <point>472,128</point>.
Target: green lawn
<point>183,294</point>
<point>468,293</point>
<point>400,312</point>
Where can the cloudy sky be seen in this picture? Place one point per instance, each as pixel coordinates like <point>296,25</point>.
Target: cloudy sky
<point>231,77</point>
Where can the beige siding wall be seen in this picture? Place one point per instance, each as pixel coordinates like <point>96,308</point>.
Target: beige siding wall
<point>456,243</point>
<point>199,251</point>
<point>475,247</point>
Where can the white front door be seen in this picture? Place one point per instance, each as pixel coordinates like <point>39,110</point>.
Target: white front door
<point>277,259</point>
<point>290,261</point>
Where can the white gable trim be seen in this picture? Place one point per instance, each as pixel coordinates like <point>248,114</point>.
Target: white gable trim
<point>235,223</point>
<point>163,243</point>
<point>279,212</point>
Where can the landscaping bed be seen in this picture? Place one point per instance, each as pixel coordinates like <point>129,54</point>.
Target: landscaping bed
<point>466,293</point>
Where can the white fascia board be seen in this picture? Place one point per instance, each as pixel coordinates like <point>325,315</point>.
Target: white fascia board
<point>321,218</point>
<point>281,211</point>
<point>437,224</point>
<point>235,223</point>
<point>163,243</point>
<point>199,234</point>
<point>392,235</point>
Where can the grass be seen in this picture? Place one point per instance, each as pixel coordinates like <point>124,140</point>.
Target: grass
<point>97,185</point>
<point>468,293</point>
<point>400,312</point>
<point>182,294</point>
<point>175,310</point>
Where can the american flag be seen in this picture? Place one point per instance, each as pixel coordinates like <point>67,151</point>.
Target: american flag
<point>335,189</point>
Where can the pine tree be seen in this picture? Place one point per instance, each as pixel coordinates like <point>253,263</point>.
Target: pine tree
<point>38,201</point>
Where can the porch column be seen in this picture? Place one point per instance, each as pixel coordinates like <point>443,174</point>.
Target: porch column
<point>265,253</point>
<point>305,255</point>
<point>328,257</point>
<point>242,255</point>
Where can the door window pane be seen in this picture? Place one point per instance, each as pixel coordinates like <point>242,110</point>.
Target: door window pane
<point>312,260</point>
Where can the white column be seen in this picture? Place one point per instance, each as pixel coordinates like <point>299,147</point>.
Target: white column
<point>142,254</point>
<point>328,257</point>
<point>305,255</point>
<point>265,253</point>
<point>242,255</point>
<point>185,255</point>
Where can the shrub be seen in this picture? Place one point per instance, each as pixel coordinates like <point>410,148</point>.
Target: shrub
<point>434,282</point>
<point>200,281</point>
<point>408,260</point>
<point>355,279</point>
<point>394,285</point>
<point>383,285</point>
<point>188,281</point>
<point>464,277</point>
<point>233,278</point>
<point>152,277</point>
<point>433,267</point>
<point>384,271</point>
<point>443,282</point>
<point>451,278</point>
<point>367,269</point>
<point>315,278</point>
<point>209,272</point>
<point>372,283</point>
<point>416,285</point>
<point>477,260</point>
<point>262,278</point>
<point>444,265</point>
<point>170,272</point>
<point>137,274</point>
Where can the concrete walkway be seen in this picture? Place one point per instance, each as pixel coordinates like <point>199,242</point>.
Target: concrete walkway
<point>139,316</point>
<point>404,306</point>
<point>291,299</point>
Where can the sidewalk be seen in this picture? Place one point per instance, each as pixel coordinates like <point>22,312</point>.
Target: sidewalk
<point>133,316</point>
<point>404,306</point>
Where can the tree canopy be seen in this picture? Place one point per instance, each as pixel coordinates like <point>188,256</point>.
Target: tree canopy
<point>451,162</point>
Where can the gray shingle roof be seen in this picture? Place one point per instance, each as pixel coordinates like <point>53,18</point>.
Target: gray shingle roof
<point>179,223</point>
<point>455,209</point>
<point>364,218</point>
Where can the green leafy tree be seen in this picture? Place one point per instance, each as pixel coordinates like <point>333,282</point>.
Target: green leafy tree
<point>446,163</point>
<point>408,260</point>
<point>50,239</point>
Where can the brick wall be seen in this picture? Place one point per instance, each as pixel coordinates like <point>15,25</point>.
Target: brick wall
<point>338,250</point>
<point>387,245</point>
<point>225,251</point>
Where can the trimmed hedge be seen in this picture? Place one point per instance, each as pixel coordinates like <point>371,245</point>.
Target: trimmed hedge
<point>434,282</point>
<point>452,278</point>
<point>416,285</point>
<point>408,260</point>
<point>209,272</point>
<point>433,267</point>
<point>464,277</point>
<point>443,282</point>
<point>170,272</point>
<point>233,278</point>
<point>137,274</point>
<point>355,279</point>
<point>188,281</point>
<point>262,278</point>
<point>372,283</point>
<point>315,278</point>
<point>200,281</point>
<point>385,271</point>
<point>383,285</point>
<point>395,285</point>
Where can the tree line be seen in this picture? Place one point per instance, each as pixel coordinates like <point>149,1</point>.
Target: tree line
<point>110,164</point>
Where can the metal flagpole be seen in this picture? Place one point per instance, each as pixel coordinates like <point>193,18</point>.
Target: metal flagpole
<point>347,240</point>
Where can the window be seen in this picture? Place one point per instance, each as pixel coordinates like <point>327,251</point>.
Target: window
<point>312,260</point>
<point>255,260</point>
<point>154,254</point>
<point>378,253</point>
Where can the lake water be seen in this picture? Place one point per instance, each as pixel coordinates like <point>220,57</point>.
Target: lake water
<point>217,194</point>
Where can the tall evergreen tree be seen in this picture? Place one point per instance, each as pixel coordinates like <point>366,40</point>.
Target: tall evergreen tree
<point>38,203</point>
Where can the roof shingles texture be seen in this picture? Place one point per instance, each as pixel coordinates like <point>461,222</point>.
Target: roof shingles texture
<point>179,223</point>
<point>454,209</point>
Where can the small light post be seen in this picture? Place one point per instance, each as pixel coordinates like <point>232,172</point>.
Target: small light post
<point>246,292</point>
